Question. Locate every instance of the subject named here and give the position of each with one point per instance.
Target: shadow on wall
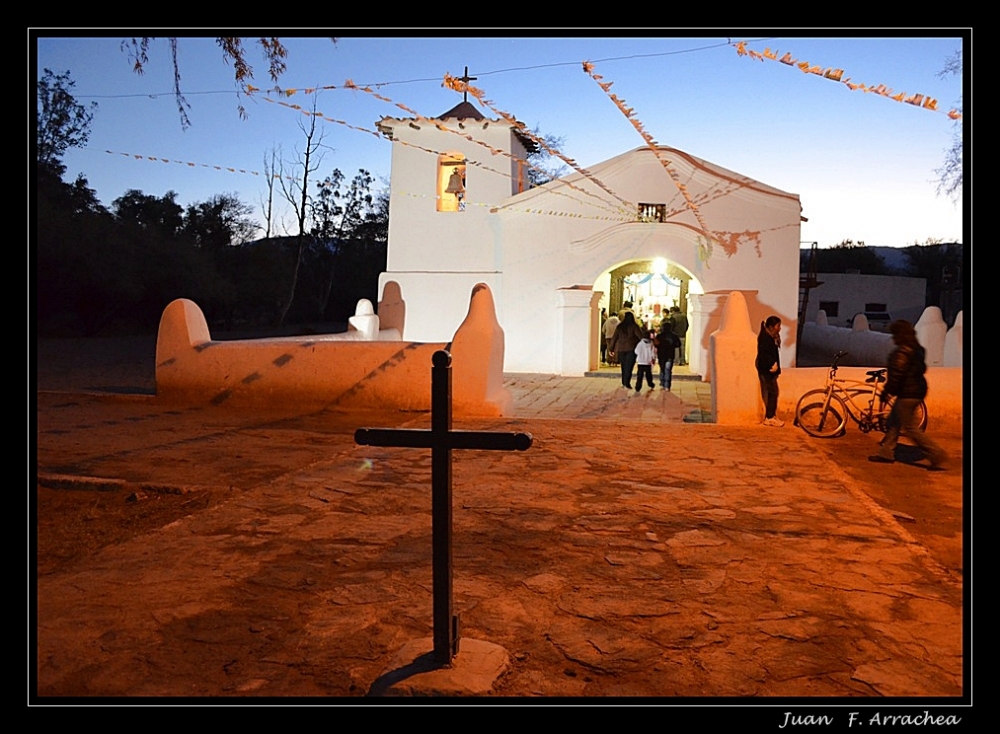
(357, 370)
(392, 308)
(757, 311)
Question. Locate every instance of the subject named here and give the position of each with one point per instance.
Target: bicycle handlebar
(836, 358)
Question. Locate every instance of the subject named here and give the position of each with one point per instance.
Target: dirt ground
(77, 521)
(73, 524)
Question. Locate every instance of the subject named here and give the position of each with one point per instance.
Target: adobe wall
(192, 369)
(734, 378)
(944, 390)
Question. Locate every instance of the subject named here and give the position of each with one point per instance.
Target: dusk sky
(862, 164)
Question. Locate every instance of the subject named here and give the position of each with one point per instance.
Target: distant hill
(894, 258)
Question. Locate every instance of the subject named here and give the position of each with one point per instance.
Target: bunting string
(837, 75)
(190, 164)
(320, 115)
(421, 119)
(530, 210)
(629, 113)
(459, 85)
(626, 212)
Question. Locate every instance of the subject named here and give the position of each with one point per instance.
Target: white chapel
(659, 228)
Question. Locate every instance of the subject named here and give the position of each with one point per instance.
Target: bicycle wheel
(921, 412)
(821, 415)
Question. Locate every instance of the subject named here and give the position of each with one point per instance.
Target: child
(645, 356)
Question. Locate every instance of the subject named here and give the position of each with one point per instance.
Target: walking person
(769, 367)
(609, 331)
(679, 322)
(626, 338)
(645, 357)
(666, 343)
(905, 379)
(603, 342)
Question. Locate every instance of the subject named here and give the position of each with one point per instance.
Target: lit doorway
(652, 286)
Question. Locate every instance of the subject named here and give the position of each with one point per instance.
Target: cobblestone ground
(630, 552)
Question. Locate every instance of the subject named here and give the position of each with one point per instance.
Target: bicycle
(823, 413)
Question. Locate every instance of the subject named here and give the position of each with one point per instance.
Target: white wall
(546, 250)
(420, 237)
(904, 297)
(531, 246)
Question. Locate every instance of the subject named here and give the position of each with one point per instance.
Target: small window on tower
(652, 212)
(451, 183)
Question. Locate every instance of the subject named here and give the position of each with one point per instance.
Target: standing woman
(768, 368)
(626, 337)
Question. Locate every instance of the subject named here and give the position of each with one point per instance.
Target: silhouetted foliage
(950, 174)
(542, 168)
(221, 221)
(85, 268)
(98, 269)
(941, 264)
(149, 214)
(846, 256)
(336, 217)
(62, 122)
(345, 250)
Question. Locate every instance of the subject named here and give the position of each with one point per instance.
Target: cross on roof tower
(466, 79)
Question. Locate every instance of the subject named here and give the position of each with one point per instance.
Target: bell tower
(447, 174)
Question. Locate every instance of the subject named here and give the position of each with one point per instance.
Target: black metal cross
(441, 439)
(466, 78)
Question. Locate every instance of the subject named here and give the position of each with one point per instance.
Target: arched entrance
(652, 285)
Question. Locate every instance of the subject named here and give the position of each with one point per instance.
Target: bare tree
(267, 200)
(294, 184)
(950, 174)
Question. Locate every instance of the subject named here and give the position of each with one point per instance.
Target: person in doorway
(626, 338)
(680, 327)
(609, 331)
(626, 308)
(603, 340)
(769, 367)
(645, 357)
(666, 343)
(905, 380)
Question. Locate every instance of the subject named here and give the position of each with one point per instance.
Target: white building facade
(461, 214)
(842, 295)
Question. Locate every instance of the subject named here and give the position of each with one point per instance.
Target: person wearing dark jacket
(667, 344)
(769, 367)
(905, 380)
(626, 338)
(679, 325)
